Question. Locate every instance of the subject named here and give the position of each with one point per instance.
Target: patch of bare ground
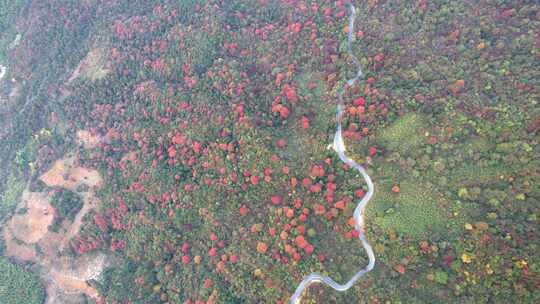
(17, 249)
(92, 66)
(66, 174)
(88, 139)
(72, 274)
(24, 233)
(32, 226)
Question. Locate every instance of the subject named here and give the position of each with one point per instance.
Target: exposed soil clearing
(92, 66)
(17, 249)
(87, 139)
(64, 173)
(64, 276)
(32, 226)
(72, 284)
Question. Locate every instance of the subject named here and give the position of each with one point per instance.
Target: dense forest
(208, 123)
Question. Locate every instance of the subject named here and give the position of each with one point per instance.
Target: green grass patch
(18, 285)
(24, 165)
(411, 212)
(469, 174)
(404, 134)
(14, 188)
(478, 145)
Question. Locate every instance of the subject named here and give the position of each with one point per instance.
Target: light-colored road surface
(339, 146)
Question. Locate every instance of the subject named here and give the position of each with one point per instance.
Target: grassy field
(18, 285)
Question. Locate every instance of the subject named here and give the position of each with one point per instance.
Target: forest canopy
(198, 132)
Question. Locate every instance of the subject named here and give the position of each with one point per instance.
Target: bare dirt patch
(73, 285)
(66, 277)
(64, 173)
(49, 243)
(32, 226)
(17, 250)
(71, 275)
(87, 139)
(92, 66)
